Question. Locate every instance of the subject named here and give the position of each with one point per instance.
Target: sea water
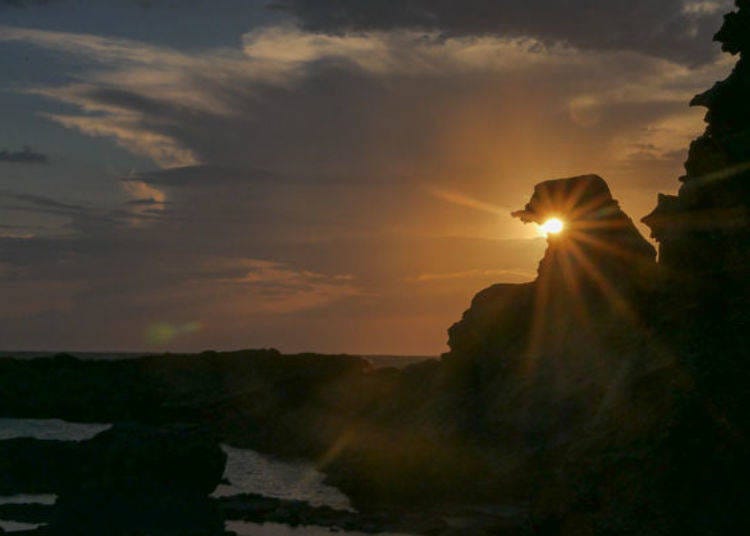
(246, 470)
(250, 472)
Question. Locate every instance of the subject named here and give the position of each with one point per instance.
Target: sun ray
(607, 288)
(538, 320)
(573, 286)
(607, 247)
(463, 200)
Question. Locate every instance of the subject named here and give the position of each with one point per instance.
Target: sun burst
(552, 226)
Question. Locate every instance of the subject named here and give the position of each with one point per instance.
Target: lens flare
(552, 226)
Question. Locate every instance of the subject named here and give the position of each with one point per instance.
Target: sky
(315, 175)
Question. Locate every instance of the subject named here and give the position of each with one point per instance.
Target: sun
(552, 226)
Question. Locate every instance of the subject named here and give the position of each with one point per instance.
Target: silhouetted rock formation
(597, 262)
(704, 235)
(137, 458)
(643, 366)
(32, 466)
(705, 230)
(544, 355)
(138, 479)
(594, 220)
(130, 479)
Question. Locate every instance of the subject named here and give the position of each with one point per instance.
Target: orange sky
(285, 186)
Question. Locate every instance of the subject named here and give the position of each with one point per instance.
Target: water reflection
(28, 499)
(251, 472)
(247, 472)
(49, 429)
(13, 526)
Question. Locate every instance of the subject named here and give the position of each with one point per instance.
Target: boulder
(131, 458)
(141, 479)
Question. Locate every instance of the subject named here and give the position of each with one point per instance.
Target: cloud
(129, 134)
(146, 202)
(495, 275)
(143, 193)
(145, 206)
(340, 192)
(705, 7)
(43, 204)
(23, 3)
(673, 29)
(24, 298)
(14, 231)
(187, 176)
(275, 288)
(291, 101)
(24, 156)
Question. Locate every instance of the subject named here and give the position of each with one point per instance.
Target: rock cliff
(626, 379)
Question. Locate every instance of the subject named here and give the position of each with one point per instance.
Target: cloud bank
(342, 183)
(24, 156)
(674, 29)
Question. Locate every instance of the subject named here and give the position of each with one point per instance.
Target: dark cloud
(196, 175)
(85, 218)
(311, 188)
(24, 156)
(675, 29)
(23, 3)
(43, 202)
(31, 3)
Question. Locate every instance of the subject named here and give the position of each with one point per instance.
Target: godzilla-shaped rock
(596, 263)
(597, 232)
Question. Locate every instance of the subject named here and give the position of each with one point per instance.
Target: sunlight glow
(552, 226)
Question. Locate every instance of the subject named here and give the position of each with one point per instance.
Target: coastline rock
(133, 458)
(27, 512)
(704, 231)
(33, 466)
(443, 522)
(143, 479)
(591, 279)
(599, 245)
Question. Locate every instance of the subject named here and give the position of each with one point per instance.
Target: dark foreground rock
(475, 520)
(32, 466)
(630, 378)
(136, 458)
(130, 479)
(27, 513)
(144, 479)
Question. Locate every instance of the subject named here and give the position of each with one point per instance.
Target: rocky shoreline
(259, 509)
